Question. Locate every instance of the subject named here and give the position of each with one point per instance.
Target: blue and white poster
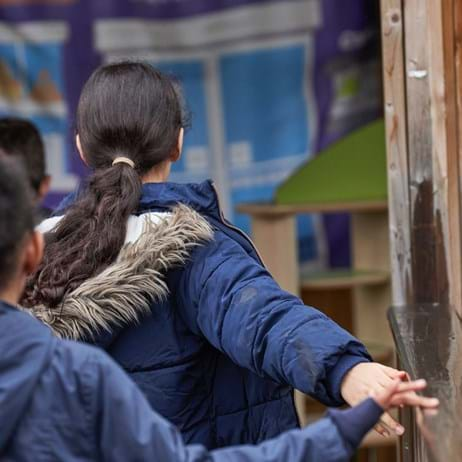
(268, 83)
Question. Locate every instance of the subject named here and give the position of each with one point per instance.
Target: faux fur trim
(124, 292)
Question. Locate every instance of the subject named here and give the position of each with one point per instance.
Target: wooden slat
(433, 156)
(272, 210)
(431, 212)
(371, 251)
(276, 241)
(455, 13)
(425, 231)
(447, 152)
(337, 279)
(396, 141)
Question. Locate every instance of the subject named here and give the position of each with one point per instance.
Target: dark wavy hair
(20, 138)
(126, 109)
(16, 215)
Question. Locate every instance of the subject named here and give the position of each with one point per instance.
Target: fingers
(388, 375)
(381, 430)
(395, 374)
(430, 412)
(386, 392)
(412, 399)
(391, 425)
(405, 395)
(416, 385)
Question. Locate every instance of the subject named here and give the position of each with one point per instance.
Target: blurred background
(269, 84)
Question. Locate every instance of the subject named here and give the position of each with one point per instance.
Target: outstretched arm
(130, 431)
(234, 302)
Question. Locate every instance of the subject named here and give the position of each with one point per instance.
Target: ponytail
(126, 109)
(89, 237)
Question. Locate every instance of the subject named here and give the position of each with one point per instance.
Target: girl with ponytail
(152, 272)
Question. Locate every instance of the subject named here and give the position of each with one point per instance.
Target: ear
(79, 148)
(177, 155)
(44, 187)
(33, 252)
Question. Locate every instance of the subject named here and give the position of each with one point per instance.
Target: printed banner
(268, 83)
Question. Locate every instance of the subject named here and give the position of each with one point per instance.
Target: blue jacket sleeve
(236, 304)
(129, 430)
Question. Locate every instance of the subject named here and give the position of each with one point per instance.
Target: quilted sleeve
(234, 302)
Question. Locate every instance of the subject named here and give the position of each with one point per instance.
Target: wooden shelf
(269, 210)
(343, 279)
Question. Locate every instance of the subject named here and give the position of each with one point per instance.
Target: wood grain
(396, 141)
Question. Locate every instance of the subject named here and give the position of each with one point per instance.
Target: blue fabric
(221, 356)
(64, 401)
(354, 423)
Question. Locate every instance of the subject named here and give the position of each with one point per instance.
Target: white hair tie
(123, 160)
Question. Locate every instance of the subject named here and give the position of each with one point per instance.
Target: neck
(10, 296)
(12, 292)
(158, 174)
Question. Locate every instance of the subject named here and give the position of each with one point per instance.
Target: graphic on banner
(31, 85)
(313, 63)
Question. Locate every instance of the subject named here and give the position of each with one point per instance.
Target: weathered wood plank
(426, 235)
(432, 210)
(396, 140)
(432, 152)
(446, 145)
(453, 17)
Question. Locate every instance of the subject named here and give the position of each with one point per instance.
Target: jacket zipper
(235, 228)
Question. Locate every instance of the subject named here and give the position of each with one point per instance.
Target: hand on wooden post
(390, 389)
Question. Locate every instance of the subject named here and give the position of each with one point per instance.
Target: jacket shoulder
(60, 421)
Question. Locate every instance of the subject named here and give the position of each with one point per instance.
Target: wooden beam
(281, 260)
(396, 140)
(457, 15)
(370, 245)
(268, 210)
(423, 147)
(453, 25)
(426, 234)
(433, 152)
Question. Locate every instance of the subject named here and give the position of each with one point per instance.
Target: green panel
(353, 169)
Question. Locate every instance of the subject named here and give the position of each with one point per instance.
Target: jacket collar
(201, 197)
(125, 291)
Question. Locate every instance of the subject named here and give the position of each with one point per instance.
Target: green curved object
(352, 170)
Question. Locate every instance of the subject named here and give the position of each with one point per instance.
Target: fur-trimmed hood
(124, 292)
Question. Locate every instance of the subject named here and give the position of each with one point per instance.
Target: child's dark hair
(16, 215)
(20, 138)
(126, 109)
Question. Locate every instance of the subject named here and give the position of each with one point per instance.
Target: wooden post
(420, 76)
(396, 140)
(276, 239)
(370, 245)
(423, 110)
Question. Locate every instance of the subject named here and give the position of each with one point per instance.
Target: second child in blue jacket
(152, 272)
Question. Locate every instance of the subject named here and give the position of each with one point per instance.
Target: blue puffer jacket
(63, 401)
(220, 354)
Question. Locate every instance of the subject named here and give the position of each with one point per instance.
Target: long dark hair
(126, 109)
